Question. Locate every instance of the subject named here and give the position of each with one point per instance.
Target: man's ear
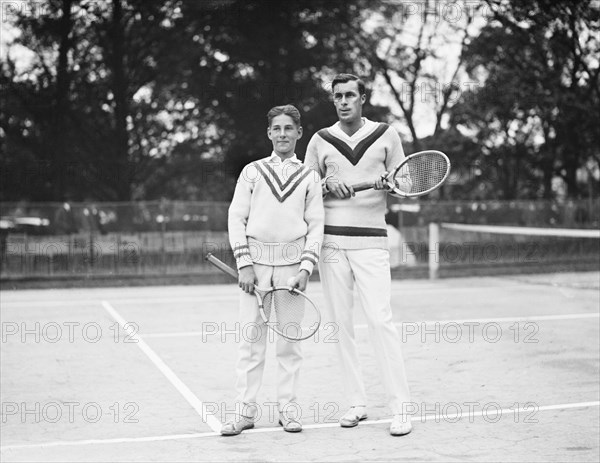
(300, 132)
(363, 99)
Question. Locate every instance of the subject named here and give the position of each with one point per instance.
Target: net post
(434, 256)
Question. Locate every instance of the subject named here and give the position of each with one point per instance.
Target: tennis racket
(288, 312)
(417, 175)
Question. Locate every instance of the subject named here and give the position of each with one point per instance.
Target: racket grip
(221, 265)
(362, 186)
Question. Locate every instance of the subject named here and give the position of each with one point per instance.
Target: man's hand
(300, 281)
(338, 188)
(247, 279)
(382, 183)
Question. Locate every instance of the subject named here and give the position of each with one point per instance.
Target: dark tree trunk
(120, 162)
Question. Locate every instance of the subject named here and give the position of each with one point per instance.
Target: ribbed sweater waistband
(276, 253)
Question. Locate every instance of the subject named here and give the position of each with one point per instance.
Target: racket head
(290, 313)
(420, 173)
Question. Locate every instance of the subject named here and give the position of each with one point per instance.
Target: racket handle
(362, 186)
(221, 265)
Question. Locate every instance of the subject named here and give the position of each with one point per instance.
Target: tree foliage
(161, 98)
(536, 114)
(144, 99)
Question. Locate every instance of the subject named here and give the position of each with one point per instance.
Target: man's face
(284, 134)
(348, 101)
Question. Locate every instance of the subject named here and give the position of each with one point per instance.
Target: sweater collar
(276, 159)
(367, 128)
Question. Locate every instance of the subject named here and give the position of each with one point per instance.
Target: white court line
(234, 295)
(576, 316)
(209, 419)
(131, 300)
(493, 414)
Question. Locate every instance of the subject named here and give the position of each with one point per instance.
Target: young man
(275, 230)
(355, 246)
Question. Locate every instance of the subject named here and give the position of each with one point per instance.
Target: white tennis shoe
(235, 427)
(353, 416)
(400, 426)
(290, 424)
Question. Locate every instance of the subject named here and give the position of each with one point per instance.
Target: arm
(311, 160)
(314, 216)
(330, 183)
(239, 211)
(394, 157)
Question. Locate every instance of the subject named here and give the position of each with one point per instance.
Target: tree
(37, 110)
(537, 113)
(408, 44)
(152, 84)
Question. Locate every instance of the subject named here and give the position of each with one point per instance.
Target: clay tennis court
(500, 369)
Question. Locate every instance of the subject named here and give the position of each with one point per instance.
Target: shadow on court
(500, 369)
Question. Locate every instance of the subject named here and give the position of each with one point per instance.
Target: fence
(143, 253)
(171, 238)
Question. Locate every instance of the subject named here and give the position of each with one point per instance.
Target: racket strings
(422, 173)
(292, 315)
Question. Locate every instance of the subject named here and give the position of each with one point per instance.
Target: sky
(445, 17)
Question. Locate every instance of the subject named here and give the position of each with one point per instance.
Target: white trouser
(253, 348)
(369, 270)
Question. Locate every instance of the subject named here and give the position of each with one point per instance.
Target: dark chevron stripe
(270, 185)
(356, 154)
(274, 175)
(341, 146)
(364, 145)
(354, 231)
(293, 187)
(281, 197)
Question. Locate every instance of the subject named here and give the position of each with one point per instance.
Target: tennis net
(455, 249)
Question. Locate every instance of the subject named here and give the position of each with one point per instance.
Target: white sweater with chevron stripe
(276, 216)
(357, 222)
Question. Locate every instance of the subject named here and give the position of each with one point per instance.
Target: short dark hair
(343, 78)
(288, 110)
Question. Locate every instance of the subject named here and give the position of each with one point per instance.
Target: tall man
(355, 248)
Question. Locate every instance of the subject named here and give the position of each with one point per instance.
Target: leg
(289, 359)
(372, 272)
(253, 346)
(251, 358)
(338, 284)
